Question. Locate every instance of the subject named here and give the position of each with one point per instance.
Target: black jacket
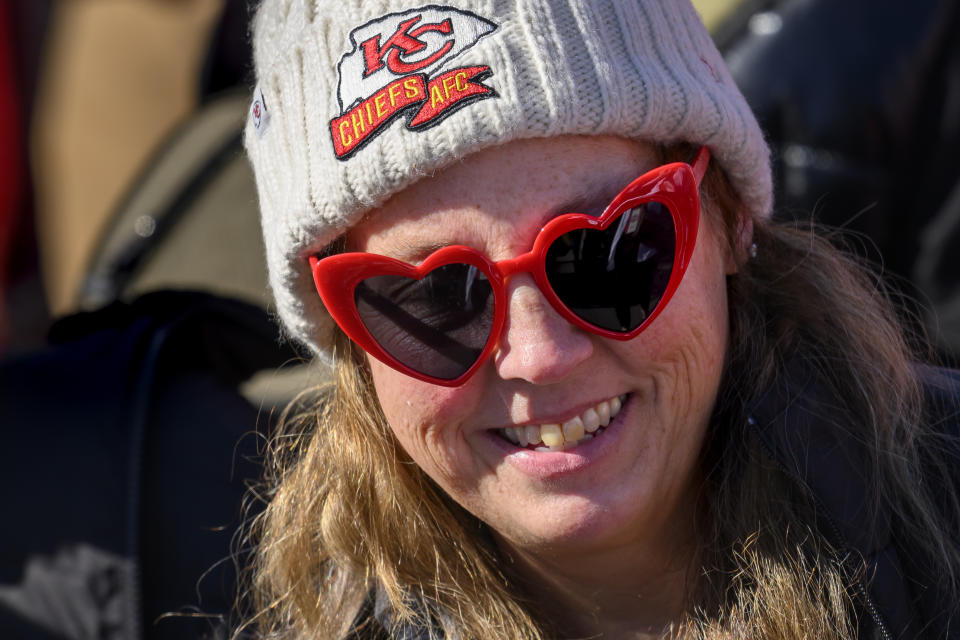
(800, 426)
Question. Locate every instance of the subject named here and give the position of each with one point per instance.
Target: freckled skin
(616, 524)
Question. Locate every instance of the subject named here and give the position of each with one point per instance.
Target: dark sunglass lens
(615, 278)
(438, 325)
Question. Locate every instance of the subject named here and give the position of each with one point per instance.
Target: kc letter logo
(399, 64)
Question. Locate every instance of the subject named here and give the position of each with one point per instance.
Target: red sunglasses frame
(675, 185)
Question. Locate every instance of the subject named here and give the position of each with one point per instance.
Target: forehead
(496, 200)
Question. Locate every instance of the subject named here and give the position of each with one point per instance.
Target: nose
(537, 344)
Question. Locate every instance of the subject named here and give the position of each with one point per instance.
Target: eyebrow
(590, 200)
(416, 253)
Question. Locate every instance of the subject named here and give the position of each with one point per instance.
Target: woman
(584, 387)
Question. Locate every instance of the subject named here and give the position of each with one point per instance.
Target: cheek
(693, 334)
(690, 362)
(684, 349)
(428, 420)
(678, 363)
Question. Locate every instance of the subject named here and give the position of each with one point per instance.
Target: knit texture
(331, 73)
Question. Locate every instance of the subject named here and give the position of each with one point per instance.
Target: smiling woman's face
(634, 483)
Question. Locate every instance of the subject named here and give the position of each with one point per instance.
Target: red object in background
(12, 168)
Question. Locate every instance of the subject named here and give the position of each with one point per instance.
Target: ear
(741, 252)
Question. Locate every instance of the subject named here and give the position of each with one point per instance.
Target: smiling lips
(561, 437)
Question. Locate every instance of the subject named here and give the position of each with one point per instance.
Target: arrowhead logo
(398, 65)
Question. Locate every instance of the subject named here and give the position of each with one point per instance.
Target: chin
(571, 523)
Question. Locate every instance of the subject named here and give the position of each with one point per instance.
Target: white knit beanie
(357, 99)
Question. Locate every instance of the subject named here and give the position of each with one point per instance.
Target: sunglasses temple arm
(699, 164)
(424, 333)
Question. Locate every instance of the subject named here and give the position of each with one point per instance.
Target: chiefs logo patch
(400, 64)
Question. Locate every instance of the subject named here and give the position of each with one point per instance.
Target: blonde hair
(349, 513)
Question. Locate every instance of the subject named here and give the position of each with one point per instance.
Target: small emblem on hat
(398, 65)
(258, 112)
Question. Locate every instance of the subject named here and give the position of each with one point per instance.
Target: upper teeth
(557, 437)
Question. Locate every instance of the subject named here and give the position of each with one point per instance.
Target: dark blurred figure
(861, 100)
(131, 446)
(132, 432)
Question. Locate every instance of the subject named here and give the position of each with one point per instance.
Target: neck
(633, 590)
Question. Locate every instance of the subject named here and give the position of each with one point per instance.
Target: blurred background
(93, 91)
(137, 350)
(860, 101)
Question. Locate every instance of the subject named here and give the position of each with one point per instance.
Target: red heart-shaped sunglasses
(610, 275)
